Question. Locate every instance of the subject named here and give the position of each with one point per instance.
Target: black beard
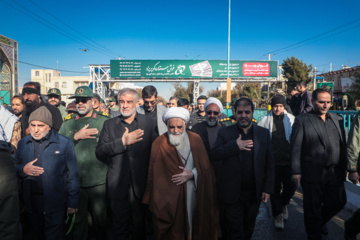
(31, 106)
(18, 114)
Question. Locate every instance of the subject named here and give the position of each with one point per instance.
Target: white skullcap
(213, 100)
(176, 112)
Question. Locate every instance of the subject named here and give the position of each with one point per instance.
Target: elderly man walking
(83, 129)
(181, 189)
(47, 163)
(125, 145)
(279, 123)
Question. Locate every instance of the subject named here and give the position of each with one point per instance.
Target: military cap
(102, 100)
(112, 99)
(83, 91)
(54, 91)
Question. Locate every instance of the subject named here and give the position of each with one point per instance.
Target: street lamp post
(228, 80)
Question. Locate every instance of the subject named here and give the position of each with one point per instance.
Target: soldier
(113, 106)
(54, 98)
(84, 129)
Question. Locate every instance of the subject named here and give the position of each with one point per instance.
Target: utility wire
(315, 40)
(73, 37)
(108, 50)
(48, 25)
(292, 46)
(46, 67)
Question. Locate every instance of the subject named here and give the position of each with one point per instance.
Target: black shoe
(324, 230)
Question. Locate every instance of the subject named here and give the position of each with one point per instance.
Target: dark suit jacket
(304, 104)
(129, 163)
(227, 151)
(61, 184)
(308, 147)
(201, 129)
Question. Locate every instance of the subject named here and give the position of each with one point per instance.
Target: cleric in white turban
(181, 190)
(176, 112)
(212, 100)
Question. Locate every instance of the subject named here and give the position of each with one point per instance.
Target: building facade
(342, 80)
(52, 79)
(9, 72)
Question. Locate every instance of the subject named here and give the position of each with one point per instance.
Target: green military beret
(112, 99)
(54, 91)
(83, 91)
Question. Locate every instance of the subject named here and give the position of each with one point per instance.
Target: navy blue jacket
(61, 175)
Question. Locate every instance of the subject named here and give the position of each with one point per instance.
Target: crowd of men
(139, 167)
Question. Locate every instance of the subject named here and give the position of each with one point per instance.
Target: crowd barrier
(260, 113)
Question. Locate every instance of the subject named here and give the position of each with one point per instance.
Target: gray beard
(86, 111)
(128, 114)
(176, 140)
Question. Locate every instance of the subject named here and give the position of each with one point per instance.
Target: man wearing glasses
(152, 109)
(84, 129)
(209, 128)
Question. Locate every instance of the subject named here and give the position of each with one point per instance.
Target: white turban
(213, 100)
(176, 112)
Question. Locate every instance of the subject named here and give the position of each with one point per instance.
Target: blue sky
(142, 29)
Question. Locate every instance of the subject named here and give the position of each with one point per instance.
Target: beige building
(53, 79)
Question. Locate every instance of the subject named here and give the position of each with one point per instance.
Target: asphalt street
(294, 226)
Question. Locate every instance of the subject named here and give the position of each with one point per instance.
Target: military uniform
(57, 92)
(92, 172)
(231, 120)
(116, 107)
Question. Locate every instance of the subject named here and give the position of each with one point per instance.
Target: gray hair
(125, 91)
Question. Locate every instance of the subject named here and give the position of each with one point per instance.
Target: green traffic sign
(192, 69)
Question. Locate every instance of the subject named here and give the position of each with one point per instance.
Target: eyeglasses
(82, 100)
(148, 102)
(212, 112)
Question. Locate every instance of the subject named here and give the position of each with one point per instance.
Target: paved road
(294, 226)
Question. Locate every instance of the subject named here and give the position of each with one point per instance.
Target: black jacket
(227, 151)
(61, 175)
(303, 104)
(9, 197)
(129, 163)
(308, 147)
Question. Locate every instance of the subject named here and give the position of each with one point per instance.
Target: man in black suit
(246, 176)
(125, 145)
(318, 151)
(304, 103)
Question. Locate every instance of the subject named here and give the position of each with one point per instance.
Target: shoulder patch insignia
(105, 114)
(77, 117)
(94, 115)
(68, 117)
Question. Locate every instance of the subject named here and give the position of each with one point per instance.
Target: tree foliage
(295, 71)
(185, 92)
(250, 90)
(355, 87)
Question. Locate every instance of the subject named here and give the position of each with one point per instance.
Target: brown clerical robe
(167, 201)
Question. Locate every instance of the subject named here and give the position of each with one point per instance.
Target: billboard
(189, 69)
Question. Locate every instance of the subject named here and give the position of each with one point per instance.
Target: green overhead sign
(192, 69)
